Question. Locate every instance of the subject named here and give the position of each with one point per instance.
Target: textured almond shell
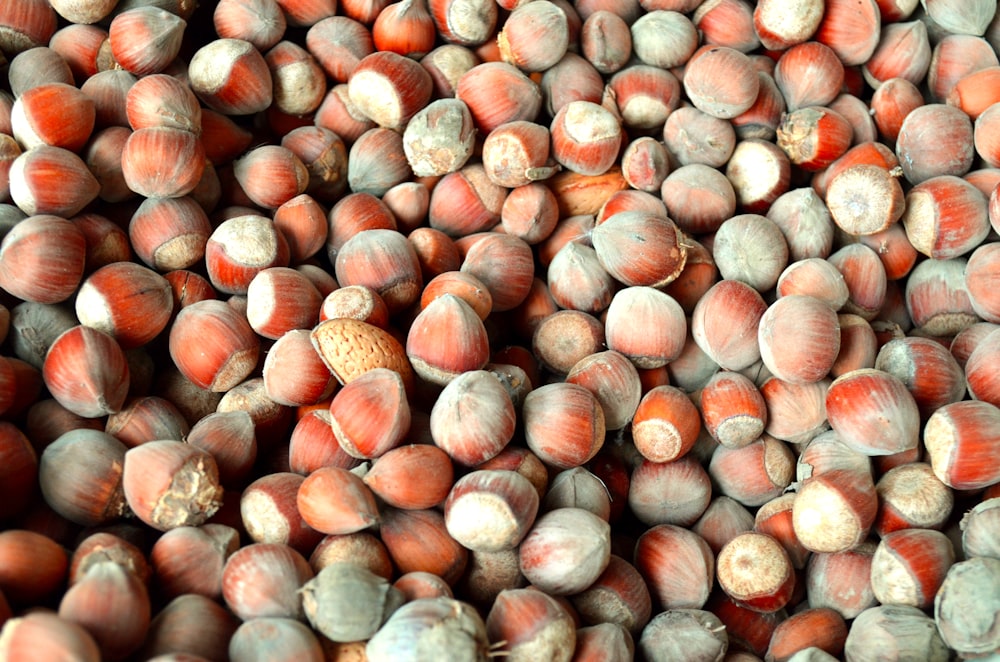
(350, 348)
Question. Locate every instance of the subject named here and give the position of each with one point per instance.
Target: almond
(350, 348)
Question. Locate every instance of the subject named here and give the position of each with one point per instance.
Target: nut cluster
(536, 329)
